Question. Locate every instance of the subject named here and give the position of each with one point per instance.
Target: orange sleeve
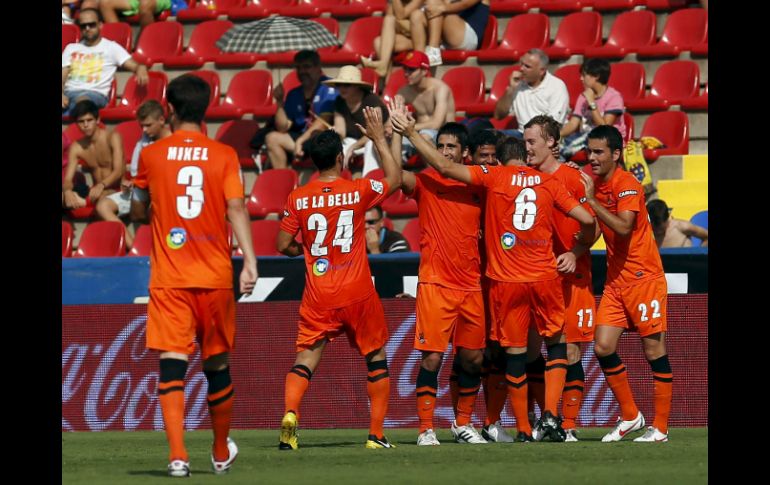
(290, 221)
(562, 200)
(481, 175)
(629, 194)
(373, 192)
(233, 183)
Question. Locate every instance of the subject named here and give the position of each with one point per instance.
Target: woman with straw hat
(355, 94)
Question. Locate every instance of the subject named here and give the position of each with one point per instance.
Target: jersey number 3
(189, 206)
(343, 237)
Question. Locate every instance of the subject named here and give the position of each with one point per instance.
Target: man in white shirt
(533, 91)
(88, 67)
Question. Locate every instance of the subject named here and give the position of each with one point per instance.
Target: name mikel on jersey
(184, 154)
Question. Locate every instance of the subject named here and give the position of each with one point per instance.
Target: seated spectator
(88, 67)
(598, 105)
(153, 121)
(308, 108)
(147, 9)
(460, 24)
(380, 239)
(670, 232)
(533, 91)
(355, 94)
(401, 19)
(102, 152)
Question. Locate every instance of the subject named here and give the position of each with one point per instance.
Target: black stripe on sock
(576, 387)
(614, 373)
(163, 392)
(378, 377)
(222, 399)
(663, 379)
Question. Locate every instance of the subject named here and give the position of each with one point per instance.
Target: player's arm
(570, 127)
(239, 218)
(621, 224)
(286, 244)
(690, 229)
(438, 117)
(72, 166)
(375, 130)
(118, 161)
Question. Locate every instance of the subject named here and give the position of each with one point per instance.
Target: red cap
(413, 59)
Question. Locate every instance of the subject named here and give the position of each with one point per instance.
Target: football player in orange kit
(635, 293)
(518, 240)
(339, 295)
(193, 184)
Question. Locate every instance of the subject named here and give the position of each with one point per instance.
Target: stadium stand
(630, 31)
(268, 196)
(102, 239)
(523, 32)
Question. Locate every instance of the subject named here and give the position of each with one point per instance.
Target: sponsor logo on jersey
(484, 168)
(508, 240)
(320, 267)
(176, 238)
(377, 186)
(626, 193)
(285, 213)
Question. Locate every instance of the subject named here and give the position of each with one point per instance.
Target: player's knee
(431, 361)
(602, 348)
(573, 353)
(172, 370)
(217, 362)
(472, 360)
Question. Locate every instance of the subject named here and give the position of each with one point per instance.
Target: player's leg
(426, 390)
(535, 373)
(297, 382)
(220, 400)
(378, 389)
(495, 394)
(572, 396)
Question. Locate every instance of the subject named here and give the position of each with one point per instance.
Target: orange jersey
(565, 227)
(190, 178)
(331, 218)
(633, 258)
(518, 221)
(449, 216)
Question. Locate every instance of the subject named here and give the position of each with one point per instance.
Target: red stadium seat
(202, 48)
(237, 134)
(512, 6)
(399, 205)
(102, 239)
(264, 233)
(613, 5)
(411, 233)
(396, 81)
(507, 123)
(270, 190)
(570, 74)
(499, 85)
(250, 92)
(207, 10)
(629, 79)
(130, 132)
(66, 239)
(287, 58)
(670, 127)
(159, 41)
(523, 32)
(161, 17)
(258, 9)
(212, 79)
(666, 5)
(673, 82)
(359, 41)
(684, 30)
(142, 241)
(629, 121)
(631, 31)
(564, 5)
(69, 33)
(119, 32)
(699, 102)
(467, 85)
(134, 95)
(489, 41)
(577, 31)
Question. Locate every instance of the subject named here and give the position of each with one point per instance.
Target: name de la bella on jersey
(331, 200)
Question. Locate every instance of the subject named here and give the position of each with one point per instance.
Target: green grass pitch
(338, 456)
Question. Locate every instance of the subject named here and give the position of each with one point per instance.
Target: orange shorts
(514, 305)
(363, 322)
(579, 311)
(444, 313)
(177, 317)
(640, 307)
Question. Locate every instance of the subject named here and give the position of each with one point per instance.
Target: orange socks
(555, 373)
(663, 382)
(426, 387)
(516, 377)
(220, 400)
(536, 383)
(378, 388)
(572, 396)
(468, 386)
(617, 379)
(171, 397)
(297, 381)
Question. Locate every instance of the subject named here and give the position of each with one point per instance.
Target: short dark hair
(511, 148)
(482, 137)
(658, 211)
(378, 209)
(189, 95)
(95, 11)
(151, 107)
(83, 108)
(324, 148)
(307, 55)
(599, 68)
(611, 135)
(457, 130)
(549, 127)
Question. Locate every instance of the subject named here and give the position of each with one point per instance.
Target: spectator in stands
(380, 239)
(598, 105)
(533, 91)
(402, 18)
(460, 24)
(88, 67)
(308, 107)
(355, 94)
(429, 98)
(147, 9)
(483, 147)
(152, 119)
(670, 232)
(102, 152)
